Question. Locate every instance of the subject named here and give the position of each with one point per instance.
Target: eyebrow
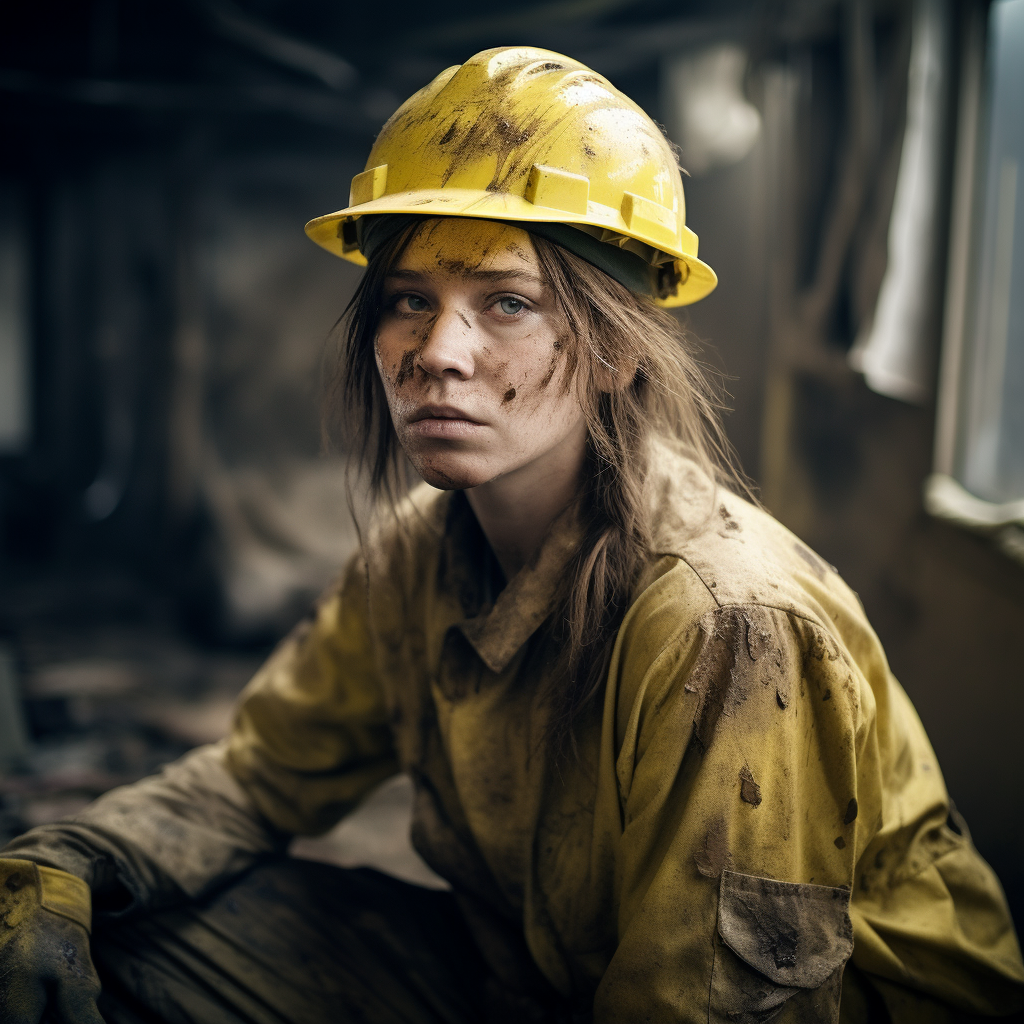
(478, 275)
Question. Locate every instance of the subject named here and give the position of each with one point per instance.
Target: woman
(657, 750)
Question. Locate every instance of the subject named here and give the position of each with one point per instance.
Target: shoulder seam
(692, 568)
(812, 620)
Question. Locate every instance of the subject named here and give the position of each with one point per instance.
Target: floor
(93, 701)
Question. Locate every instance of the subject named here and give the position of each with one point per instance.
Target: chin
(450, 474)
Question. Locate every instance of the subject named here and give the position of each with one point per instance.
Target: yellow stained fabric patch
(26, 886)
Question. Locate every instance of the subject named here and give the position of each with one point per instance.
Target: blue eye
(510, 306)
(416, 303)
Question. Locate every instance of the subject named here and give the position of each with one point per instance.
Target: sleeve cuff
(56, 891)
(65, 894)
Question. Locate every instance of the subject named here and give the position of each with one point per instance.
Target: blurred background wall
(165, 507)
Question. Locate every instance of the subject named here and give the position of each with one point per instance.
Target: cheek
(537, 377)
(395, 350)
(406, 367)
(387, 367)
(534, 395)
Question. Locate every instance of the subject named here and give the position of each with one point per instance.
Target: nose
(449, 345)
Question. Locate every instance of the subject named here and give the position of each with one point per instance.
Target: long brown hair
(637, 375)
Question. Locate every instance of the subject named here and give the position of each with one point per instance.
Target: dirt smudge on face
(557, 348)
(462, 316)
(509, 395)
(550, 372)
(457, 267)
(407, 368)
(750, 791)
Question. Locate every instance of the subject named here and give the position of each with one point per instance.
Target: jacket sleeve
(765, 777)
(310, 739)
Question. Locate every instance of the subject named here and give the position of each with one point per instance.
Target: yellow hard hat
(526, 135)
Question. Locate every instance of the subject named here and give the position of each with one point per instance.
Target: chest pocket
(780, 946)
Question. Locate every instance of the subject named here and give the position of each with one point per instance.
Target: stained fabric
(749, 728)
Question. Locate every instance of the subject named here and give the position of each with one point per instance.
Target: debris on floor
(85, 707)
(87, 710)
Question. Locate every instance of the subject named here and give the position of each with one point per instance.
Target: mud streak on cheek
(407, 368)
(552, 366)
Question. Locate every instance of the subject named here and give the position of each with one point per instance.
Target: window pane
(992, 464)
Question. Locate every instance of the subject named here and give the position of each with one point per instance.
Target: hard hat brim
(697, 279)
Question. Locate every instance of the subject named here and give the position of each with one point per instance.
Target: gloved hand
(45, 969)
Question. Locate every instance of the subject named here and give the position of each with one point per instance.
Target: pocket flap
(794, 934)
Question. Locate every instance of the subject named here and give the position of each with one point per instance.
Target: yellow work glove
(45, 967)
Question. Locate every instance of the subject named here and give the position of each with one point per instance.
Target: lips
(441, 412)
(443, 423)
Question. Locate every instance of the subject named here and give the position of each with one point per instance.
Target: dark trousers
(295, 942)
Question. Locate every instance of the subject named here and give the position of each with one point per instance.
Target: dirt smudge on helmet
(507, 139)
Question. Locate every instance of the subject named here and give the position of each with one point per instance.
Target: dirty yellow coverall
(754, 805)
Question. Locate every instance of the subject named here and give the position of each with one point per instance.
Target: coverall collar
(498, 630)
(680, 497)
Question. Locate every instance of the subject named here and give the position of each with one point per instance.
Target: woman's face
(471, 353)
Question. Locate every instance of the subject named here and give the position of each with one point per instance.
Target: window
(979, 465)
